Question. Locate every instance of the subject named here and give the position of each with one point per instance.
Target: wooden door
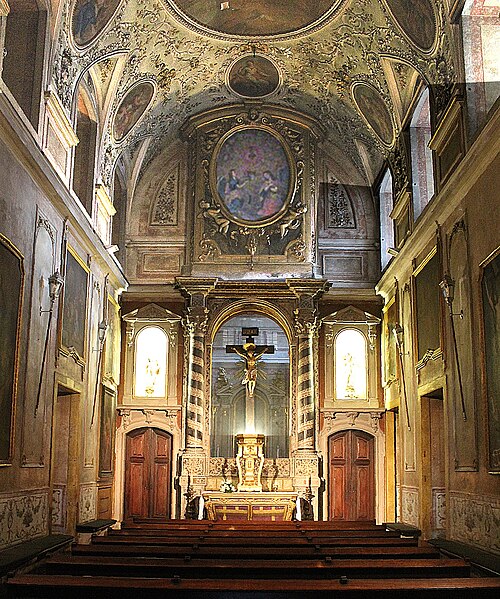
(352, 476)
(148, 474)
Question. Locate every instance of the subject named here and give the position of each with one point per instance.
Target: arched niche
(230, 413)
(352, 352)
(151, 357)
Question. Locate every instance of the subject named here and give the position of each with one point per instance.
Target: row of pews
(230, 560)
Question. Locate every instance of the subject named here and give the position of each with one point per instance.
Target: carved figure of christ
(251, 353)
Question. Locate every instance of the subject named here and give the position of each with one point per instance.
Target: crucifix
(251, 353)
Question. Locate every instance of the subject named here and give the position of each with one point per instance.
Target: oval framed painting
(417, 20)
(131, 108)
(252, 176)
(253, 77)
(373, 109)
(90, 17)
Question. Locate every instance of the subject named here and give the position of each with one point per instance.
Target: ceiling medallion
(253, 76)
(259, 18)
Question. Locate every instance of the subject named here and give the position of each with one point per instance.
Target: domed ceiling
(351, 64)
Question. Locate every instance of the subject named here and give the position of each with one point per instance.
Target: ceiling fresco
(312, 70)
(256, 18)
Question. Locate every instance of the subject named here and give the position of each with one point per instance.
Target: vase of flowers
(227, 486)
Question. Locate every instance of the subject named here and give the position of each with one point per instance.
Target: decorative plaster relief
(306, 466)
(339, 211)
(23, 517)
(438, 508)
(475, 520)
(165, 206)
(59, 506)
(88, 503)
(409, 505)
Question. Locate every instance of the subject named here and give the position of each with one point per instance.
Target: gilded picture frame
(12, 279)
(490, 328)
(252, 176)
(73, 308)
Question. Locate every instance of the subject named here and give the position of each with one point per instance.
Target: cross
(251, 353)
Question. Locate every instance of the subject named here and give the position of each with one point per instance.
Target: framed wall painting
(107, 432)
(11, 297)
(490, 291)
(251, 176)
(74, 309)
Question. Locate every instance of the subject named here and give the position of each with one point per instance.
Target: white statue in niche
(350, 391)
(152, 372)
(350, 365)
(150, 362)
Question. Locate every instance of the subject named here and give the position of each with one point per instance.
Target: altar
(268, 506)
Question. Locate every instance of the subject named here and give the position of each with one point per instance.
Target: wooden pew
(165, 550)
(258, 569)
(80, 587)
(272, 553)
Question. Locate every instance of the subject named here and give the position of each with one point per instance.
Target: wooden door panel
(364, 495)
(137, 493)
(362, 449)
(137, 445)
(352, 475)
(339, 449)
(339, 492)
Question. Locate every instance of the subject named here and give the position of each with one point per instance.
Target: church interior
(255, 251)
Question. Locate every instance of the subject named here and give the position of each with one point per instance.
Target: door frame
(73, 465)
(428, 502)
(149, 461)
(350, 462)
(367, 422)
(131, 419)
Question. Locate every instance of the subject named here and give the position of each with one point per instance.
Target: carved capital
(306, 322)
(196, 321)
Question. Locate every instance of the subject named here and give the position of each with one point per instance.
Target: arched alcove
(230, 412)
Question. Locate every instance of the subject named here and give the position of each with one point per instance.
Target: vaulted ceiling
(354, 65)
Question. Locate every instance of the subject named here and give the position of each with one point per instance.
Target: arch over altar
(288, 320)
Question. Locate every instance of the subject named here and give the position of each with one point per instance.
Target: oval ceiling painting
(131, 108)
(372, 106)
(253, 77)
(90, 17)
(258, 17)
(251, 174)
(417, 19)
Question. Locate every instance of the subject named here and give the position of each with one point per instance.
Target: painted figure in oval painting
(90, 17)
(132, 108)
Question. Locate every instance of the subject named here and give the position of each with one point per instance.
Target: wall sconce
(448, 289)
(398, 333)
(56, 282)
(55, 285)
(102, 331)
